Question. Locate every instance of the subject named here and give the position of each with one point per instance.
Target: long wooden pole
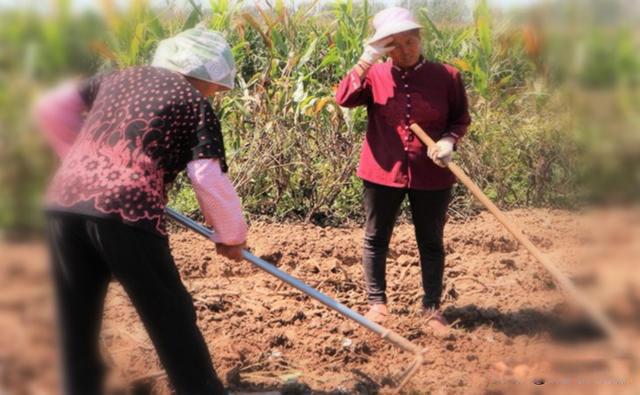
(565, 284)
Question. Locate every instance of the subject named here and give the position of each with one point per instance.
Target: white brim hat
(199, 53)
(392, 21)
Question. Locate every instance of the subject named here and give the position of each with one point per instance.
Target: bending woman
(143, 125)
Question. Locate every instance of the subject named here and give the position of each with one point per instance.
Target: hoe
(385, 333)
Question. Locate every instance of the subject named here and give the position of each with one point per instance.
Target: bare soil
(513, 330)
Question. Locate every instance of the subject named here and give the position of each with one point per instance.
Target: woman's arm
(59, 114)
(354, 89)
(459, 118)
(457, 123)
(218, 201)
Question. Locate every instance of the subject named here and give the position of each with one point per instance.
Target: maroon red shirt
(429, 94)
(143, 126)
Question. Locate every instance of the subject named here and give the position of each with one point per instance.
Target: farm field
(512, 326)
(554, 95)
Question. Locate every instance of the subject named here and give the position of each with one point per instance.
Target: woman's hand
(233, 252)
(376, 50)
(441, 153)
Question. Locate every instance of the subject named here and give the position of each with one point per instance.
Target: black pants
(86, 253)
(429, 213)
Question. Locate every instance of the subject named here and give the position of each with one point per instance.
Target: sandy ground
(514, 331)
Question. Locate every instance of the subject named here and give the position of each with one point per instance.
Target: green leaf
(307, 55)
(423, 12)
(192, 19)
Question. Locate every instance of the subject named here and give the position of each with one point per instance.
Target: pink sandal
(377, 313)
(435, 320)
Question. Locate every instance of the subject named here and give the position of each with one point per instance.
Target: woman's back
(144, 124)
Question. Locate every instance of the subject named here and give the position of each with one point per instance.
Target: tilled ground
(514, 332)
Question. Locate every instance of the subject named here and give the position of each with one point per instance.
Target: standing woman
(394, 163)
(143, 125)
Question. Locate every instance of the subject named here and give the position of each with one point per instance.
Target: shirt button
(409, 105)
(406, 149)
(408, 95)
(407, 115)
(406, 85)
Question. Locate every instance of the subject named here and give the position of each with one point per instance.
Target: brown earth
(513, 329)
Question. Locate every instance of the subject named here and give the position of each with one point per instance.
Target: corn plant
(293, 151)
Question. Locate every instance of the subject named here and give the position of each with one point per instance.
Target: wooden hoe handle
(565, 284)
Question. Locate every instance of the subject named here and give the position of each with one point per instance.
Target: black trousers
(86, 253)
(429, 213)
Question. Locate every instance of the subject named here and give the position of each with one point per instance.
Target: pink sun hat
(392, 20)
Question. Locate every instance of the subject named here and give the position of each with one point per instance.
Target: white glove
(441, 153)
(376, 50)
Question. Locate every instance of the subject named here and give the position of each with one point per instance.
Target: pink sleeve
(59, 114)
(218, 201)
